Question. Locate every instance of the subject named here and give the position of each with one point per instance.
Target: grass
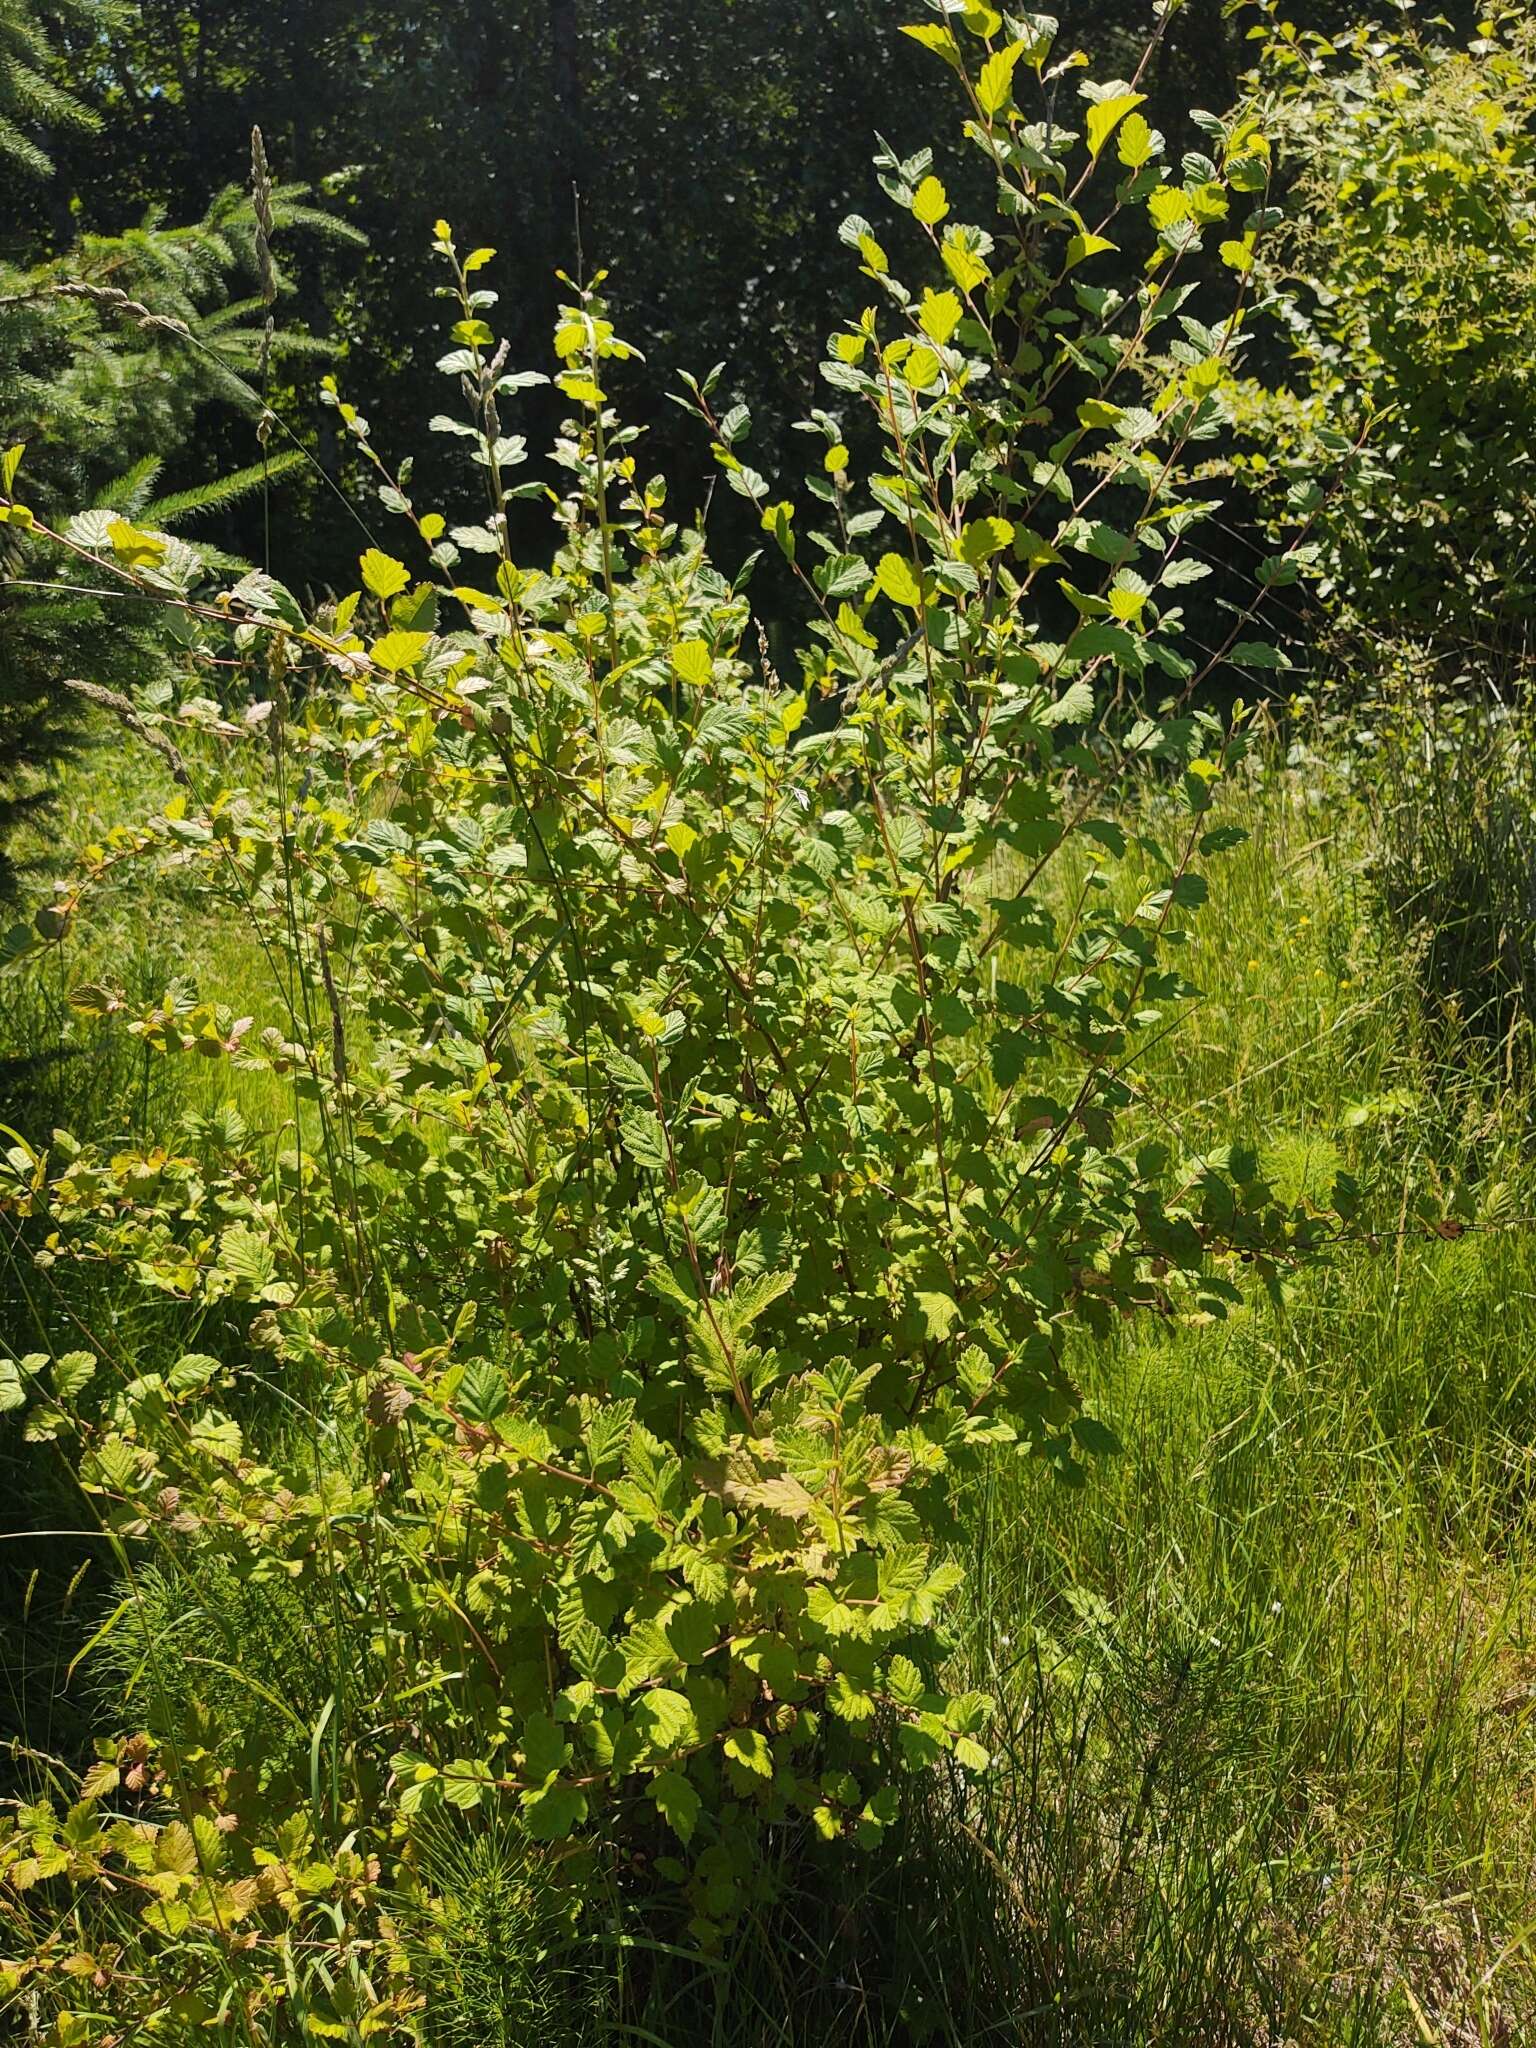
(1265, 1770)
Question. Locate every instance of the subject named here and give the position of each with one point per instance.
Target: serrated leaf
(1073, 707)
(749, 1748)
(939, 315)
(1081, 247)
(937, 1313)
(382, 574)
(133, 546)
(930, 202)
(175, 1849)
(897, 580)
(246, 1256)
(396, 651)
(933, 38)
(691, 659)
(982, 538)
(72, 1372)
(994, 88)
(963, 263)
(676, 1801)
(1136, 144)
(664, 1720)
(644, 1139)
(1104, 116)
(553, 1813)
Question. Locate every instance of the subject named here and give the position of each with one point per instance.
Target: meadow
(1265, 1682)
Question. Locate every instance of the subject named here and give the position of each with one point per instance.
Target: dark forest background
(703, 151)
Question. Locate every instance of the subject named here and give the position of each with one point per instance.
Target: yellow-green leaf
(994, 88)
(399, 650)
(984, 537)
(1134, 147)
(939, 316)
(930, 202)
(933, 38)
(691, 660)
(1099, 412)
(382, 574)
(1238, 255)
(896, 578)
(477, 259)
(175, 1849)
(749, 1748)
(921, 369)
(1081, 247)
(963, 264)
(1106, 115)
(132, 546)
(10, 462)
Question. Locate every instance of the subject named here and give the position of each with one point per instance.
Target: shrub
(708, 1129)
(1405, 422)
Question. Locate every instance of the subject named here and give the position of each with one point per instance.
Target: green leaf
(246, 1256)
(904, 1681)
(466, 1783)
(72, 1372)
(1256, 654)
(963, 262)
(644, 1140)
(382, 574)
(545, 1749)
(664, 1720)
(1104, 116)
(749, 1748)
(1073, 707)
(10, 462)
(552, 1814)
(676, 1801)
(937, 1313)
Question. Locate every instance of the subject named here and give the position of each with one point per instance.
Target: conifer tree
(111, 347)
